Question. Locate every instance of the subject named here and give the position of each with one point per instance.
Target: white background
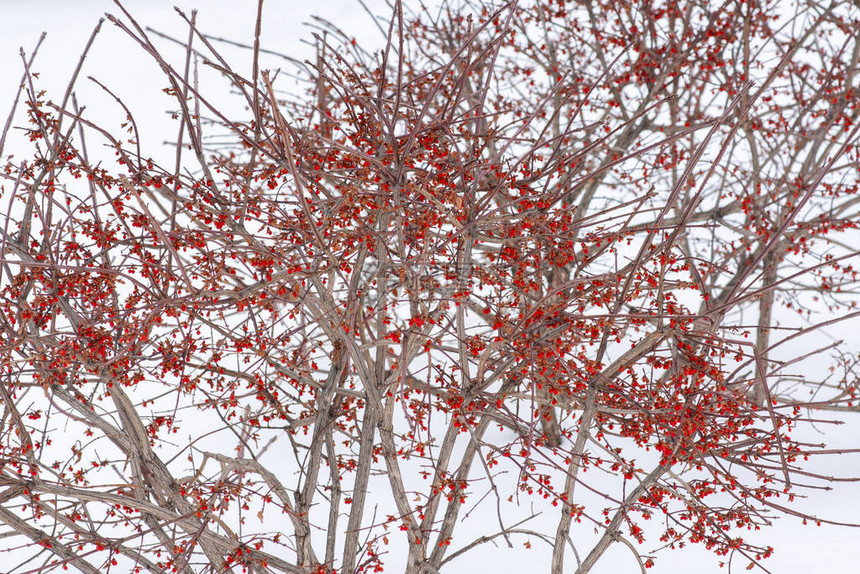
(122, 65)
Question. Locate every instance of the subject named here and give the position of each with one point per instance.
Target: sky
(139, 82)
